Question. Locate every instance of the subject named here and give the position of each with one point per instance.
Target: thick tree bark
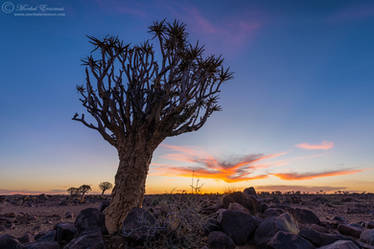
(129, 186)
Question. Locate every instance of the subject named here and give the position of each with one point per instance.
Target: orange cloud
(308, 176)
(325, 145)
(233, 170)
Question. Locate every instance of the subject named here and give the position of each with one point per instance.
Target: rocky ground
(240, 220)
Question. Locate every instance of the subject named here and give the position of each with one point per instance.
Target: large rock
(368, 236)
(46, 236)
(238, 225)
(42, 245)
(9, 242)
(139, 225)
(250, 191)
(319, 238)
(211, 226)
(271, 225)
(219, 240)
(87, 240)
(305, 216)
(103, 205)
(249, 202)
(89, 220)
(27, 237)
(273, 212)
(234, 206)
(65, 232)
(341, 244)
(284, 240)
(350, 230)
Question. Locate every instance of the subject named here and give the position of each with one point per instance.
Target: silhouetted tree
(83, 189)
(73, 191)
(138, 97)
(104, 186)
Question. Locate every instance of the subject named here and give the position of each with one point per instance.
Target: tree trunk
(129, 185)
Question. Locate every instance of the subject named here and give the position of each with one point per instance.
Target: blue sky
(303, 74)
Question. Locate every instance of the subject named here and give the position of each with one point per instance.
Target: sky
(298, 114)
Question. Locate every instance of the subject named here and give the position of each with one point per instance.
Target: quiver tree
(73, 191)
(104, 186)
(137, 97)
(83, 189)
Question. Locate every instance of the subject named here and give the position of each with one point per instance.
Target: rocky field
(234, 220)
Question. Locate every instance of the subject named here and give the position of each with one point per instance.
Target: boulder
(284, 240)
(139, 225)
(68, 215)
(238, 225)
(27, 237)
(271, 225)
(319, 238)
(341, 244)
(305, 216)
(250, 191)
(65, 232)
(219, 240)
(46, 236)
(9, 242)
(90, 219)
(273, 212)
(234, 206)
(367, 236)
(370, 225)
(87, 240)
(211, 225)
(103, 205)
(249, 202)
(350, 230)
(42, 245)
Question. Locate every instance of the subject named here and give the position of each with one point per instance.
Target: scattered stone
(341, 244)
(65, 232)
(139, 225)
(27, 237)
(87, 240)
(350, 230)
(219, 240)
(68, 215)
(318, 238)
(9, 242)
(339, 219)
(305, 216)
(46, 236)
(271, 225)
(42, 245)
(273, 212)
(367, 236)
(284, 240)
(370, 225)
(238, 225)
(90, 219)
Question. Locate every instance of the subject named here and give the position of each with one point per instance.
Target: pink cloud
(325, 145)
(352, 13)
(309, 176)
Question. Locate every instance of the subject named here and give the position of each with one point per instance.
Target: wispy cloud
(285, 188)
(325, 145)
(233, 169)
(313, 175)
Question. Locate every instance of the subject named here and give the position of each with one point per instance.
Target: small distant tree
(83, 190)
(195, 185)
(73, 191)
(104, 186)
(137, 97)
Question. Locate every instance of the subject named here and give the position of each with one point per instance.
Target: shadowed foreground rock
(89, 220)
(238, 225)
(219, 240)
(87, 240)
(283, 240)
(341, 244)
(9, 242)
